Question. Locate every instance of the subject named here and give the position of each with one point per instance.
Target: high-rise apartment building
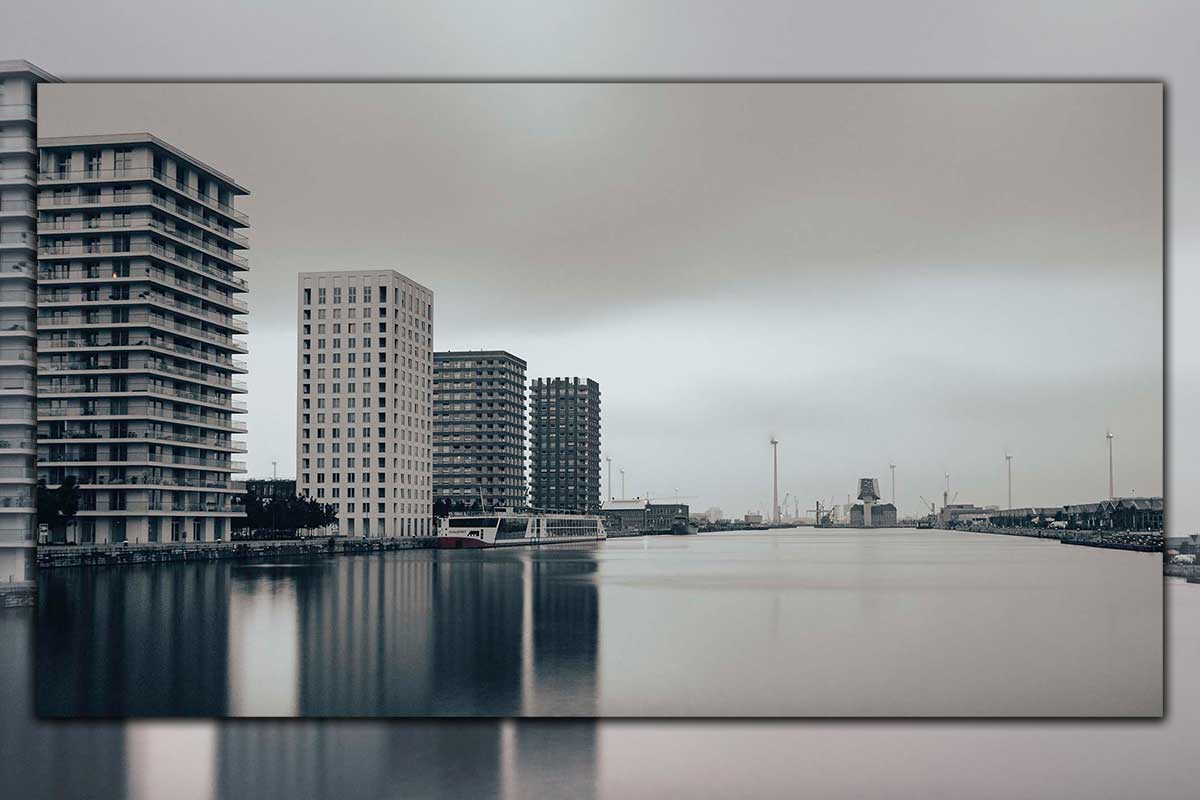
(565, 451)
(364, 415)
(138, 280)
(18, 317)
(479, 427)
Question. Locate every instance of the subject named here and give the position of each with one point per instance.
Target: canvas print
(588, 399)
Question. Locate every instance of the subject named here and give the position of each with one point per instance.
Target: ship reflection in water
(808, 622)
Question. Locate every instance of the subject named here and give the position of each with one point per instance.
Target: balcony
(217, 360)
(13, 208)
(142, 248)
(76, 459)
(18, 176)
(48, 367)
(51, 276)
(141, 173)
(18, 445)
(17, 297)
(24, 357)
(155, 436)
(18, 145)
(134, 225)
(136, 413)
(156, 482)
(10, 386)
(131, 199)
(18, 474)
(10, 112)
(81, 392)
(90, 504)
(18, 240)
(141, 318)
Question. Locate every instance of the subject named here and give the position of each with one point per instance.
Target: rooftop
(20, 66)
(140, 138)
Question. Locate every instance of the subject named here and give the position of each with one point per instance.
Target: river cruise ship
(511, 528)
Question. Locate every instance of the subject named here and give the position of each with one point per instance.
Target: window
(123, 160)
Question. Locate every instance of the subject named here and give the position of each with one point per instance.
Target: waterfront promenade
(90, 555)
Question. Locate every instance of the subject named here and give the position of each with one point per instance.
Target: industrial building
(139, 254)
(565, 444)
(364, 416)
(870, 513)
(479, 428)
(883, 515)
(640, 514)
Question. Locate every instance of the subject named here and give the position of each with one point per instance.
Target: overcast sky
(912, 272)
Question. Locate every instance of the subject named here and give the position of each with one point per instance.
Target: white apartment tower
(18, 317)
(364, 400)
(138, 283)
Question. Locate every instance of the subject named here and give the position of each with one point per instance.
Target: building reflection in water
(425, 633)
(134, 641)
(59, 759)
(434, 633)
(260, 759)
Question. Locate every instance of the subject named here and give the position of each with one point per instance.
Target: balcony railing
(145, 365)
(18, 472)
(90, 503)
(17, 444)
(168, 437)
(168, 392)
(17, 296)
(59, 250)
(18, 326)
(108, 481)
(11, 111)
(19, 238)
(9, 206)
(137, 413)
(138, 318)
(102, 226)
(158, 343)
(17, 144)
(49, 201)
(56, 295)
(148, 458)
(144, 173)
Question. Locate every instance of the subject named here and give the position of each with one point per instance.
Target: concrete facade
(138, 280)
(480, 422)
(565, 448)
(18, 318)
(364, 416)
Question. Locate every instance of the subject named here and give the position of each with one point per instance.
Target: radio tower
(775, 480)
(1109, 435)
(1008, 458)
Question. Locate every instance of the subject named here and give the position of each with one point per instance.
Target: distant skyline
(924, 274)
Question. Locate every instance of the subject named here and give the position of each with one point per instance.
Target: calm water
(808, 622)
(609, 759)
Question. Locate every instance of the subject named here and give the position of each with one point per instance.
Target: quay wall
(18, 595)
(57, 556)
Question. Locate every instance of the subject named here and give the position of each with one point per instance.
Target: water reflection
(620, 759)
(134, 641)
(49, 759)
(810, 623)
(400, 634)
